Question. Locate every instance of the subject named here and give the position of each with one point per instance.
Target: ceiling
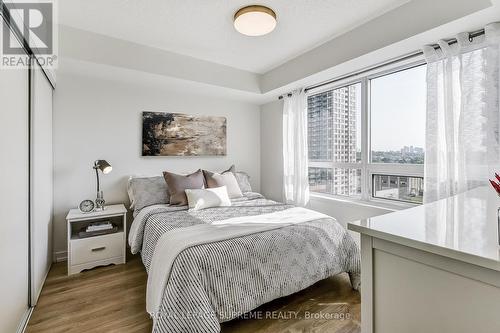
(203, 28)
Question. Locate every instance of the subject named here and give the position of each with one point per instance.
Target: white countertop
(463, 227)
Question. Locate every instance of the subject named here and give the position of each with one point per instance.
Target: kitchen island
(432, 268)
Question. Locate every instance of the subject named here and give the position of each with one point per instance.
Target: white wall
(99, 119)
(272, 171)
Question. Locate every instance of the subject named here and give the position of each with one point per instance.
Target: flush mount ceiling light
(255, 20)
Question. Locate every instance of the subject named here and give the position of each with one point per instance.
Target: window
(397, 106)
(334, 140)
(337, 181)
(366, 137)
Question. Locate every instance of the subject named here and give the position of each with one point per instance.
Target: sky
(398, 103)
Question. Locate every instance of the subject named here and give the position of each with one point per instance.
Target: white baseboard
(60, 256)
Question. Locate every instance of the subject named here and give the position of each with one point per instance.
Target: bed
(213, 265)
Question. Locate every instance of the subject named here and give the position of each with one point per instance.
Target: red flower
(495, 185)
(497, 176)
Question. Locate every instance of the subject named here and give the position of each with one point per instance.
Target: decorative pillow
(226, 179)
(146, 191)
(232, 169)
(206, 198)
(177, 184)
(243, 180)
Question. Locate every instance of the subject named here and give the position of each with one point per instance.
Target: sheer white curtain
(295, 154)
(462, 114)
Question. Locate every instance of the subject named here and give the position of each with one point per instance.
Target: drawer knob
(98, 249)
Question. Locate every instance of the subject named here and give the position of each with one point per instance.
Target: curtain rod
(407, 56)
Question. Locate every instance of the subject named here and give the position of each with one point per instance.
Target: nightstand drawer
(96, 248)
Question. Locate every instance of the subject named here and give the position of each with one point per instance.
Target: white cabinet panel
(413, 297)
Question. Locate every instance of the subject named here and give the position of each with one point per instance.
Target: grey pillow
(177, 184)
(147, 191)
(232, 169)
(242, 178)
(227, 179)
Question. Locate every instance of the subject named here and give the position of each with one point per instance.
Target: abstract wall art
(176, 134)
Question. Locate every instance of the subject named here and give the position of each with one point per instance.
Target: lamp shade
(104, 166)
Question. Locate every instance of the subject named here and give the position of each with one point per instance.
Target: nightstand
(89, 252)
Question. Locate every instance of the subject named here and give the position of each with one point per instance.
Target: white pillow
(206, 198)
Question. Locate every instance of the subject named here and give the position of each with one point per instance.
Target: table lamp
(105, 168)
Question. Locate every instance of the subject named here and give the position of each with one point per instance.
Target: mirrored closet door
(25, 188)
(14, 198)
(41, 167)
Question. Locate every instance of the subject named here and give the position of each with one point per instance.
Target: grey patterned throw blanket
(218, 281)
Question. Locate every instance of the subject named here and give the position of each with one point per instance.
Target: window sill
(374, 203)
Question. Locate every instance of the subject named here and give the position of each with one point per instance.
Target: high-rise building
(332, 138)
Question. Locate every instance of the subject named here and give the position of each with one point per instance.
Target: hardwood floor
(112, 299)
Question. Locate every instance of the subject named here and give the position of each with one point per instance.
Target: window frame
(368, 168)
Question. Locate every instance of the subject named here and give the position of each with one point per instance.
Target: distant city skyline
(407, 149)
(404, 155)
